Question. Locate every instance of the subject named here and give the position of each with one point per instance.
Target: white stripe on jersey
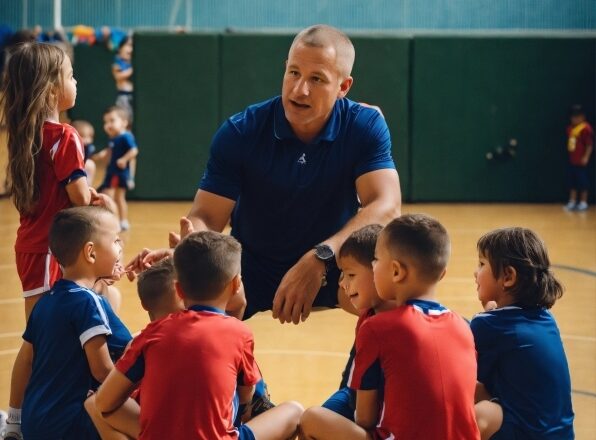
(102, 312)
(92, 332)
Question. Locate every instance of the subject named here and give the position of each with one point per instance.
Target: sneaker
(581, 206)
(261, 404)
(3, 417)
(570, 206)
(124, 225)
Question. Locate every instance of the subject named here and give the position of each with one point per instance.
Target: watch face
(324, 252)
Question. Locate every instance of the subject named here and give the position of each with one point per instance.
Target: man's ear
(89, 252)
(400, 271)
(509, 276)
(345, 86)
(179, 290)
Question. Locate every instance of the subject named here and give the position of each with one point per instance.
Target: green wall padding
(96, 89)
(176, 111)
(472, 95)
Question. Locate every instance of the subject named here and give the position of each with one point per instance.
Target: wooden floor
(304, 362)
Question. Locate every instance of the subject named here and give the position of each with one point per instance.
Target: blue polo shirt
(521, 362)
(61, 323)
(120, 145)
(290, 195)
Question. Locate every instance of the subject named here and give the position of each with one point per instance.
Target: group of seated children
(417, 369)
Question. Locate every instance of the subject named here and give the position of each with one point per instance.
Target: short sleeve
(488, 346)
(223, 175)
(69, 157)
(130, 140)
(587, 136)
(248, 372)
(90, 319)
(375, 142)
(366, 370)
(132, 362)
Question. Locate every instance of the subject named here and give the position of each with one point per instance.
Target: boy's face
(487, 284)
(107, 245)
(577, 119)
(125, 52)
(383, 270)
(86, 134)
(358, 283)
(114, 124)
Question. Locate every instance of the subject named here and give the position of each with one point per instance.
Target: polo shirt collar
(199, 308)
(283, 130)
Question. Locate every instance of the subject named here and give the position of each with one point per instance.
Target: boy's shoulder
(510, 315)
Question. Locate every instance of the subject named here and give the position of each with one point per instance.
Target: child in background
(122, 73)
(580, 144)
(121, 149)
(423, 352)
(87, 133)
(524, 389)
(46, 168)
(72, 336)
(210, 357)
(356, 257)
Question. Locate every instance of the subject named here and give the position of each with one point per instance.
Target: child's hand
(130, 184)
(144, 260)
(100, 199)
(121, 163)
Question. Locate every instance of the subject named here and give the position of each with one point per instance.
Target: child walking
(46, 158)
(72, 336)
(524, 389)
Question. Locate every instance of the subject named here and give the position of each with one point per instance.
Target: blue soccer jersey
(521, 362)
(60, 324)
(120, 145)
(290, 195)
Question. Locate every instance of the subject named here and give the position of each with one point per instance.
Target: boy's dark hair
(361, 243)
(156, 282)
(71, 229)
(576, 110)
(205, 262)
(422, 240)
(523, 250)
(122, 112)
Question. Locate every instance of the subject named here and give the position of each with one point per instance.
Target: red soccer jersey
(578, 138)
(60, 161)
(428, 361)
(190, 363)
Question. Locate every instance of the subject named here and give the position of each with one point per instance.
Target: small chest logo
(302, 159)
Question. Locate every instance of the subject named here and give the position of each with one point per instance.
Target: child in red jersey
(422, 351)
(193, 362)
(580, 143)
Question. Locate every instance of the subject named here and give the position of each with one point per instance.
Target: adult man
(292, 172)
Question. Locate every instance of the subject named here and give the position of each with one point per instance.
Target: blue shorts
(116, 180)
(82, 428)
(245, 433)
(342, 402)
(578, 177)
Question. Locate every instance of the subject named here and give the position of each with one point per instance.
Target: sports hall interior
(475, 93)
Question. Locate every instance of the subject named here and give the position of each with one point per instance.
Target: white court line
(7, 352)
(11, 335)
(11, 301)
(579, 338)
(304, 353)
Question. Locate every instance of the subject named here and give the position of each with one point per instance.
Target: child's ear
(236, 283)
(179, 290)
(443, 274)
(399, 271)
(89, 252)
(509, 276)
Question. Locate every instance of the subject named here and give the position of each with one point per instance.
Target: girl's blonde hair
(32, 84)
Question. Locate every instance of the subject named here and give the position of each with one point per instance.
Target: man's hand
(186, 228)
(144, 260)
(298, 289)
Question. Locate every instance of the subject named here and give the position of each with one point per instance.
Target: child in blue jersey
(524, 389)
(356, 256)
(120, 152)
(72, 336)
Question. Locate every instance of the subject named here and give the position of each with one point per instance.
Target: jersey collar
(283, 130)
(199, 308)
(427, 307)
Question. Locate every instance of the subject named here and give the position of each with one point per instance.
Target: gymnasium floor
(304, 362)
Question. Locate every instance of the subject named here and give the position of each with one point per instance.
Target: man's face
(312, 83)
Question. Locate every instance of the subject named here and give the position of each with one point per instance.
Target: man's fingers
(186, 227)
(277, 305)
(296, 311)
(173, 239)
(306, 309)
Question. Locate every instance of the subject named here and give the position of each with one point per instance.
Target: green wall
(448, 100)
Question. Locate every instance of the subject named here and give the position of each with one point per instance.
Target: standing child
(87, 133)
(122, 73)
(580, 144)
(524, 389)
(356, 257)
(72, 336)
(121, 149)
(423, 351)
(46, 168)
(210, 357)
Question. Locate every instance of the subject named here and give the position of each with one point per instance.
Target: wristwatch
(324, 253)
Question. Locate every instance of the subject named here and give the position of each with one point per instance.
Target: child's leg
(489, 417)
(30, 302)
(122, 424)
(280, 422)
(120, 199)
(320, 424)
(90, 168)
